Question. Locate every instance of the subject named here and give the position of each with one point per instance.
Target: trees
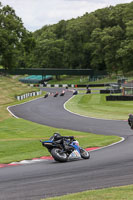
(111, 39)
(96, 50)
(101, 40)
(14, 38)
(125, 52)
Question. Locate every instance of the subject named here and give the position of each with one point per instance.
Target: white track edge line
(122, 140)
(8, 108)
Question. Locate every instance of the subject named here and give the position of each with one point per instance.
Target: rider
(64, 140)
(130, 121)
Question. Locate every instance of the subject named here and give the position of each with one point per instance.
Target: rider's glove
(71, 137)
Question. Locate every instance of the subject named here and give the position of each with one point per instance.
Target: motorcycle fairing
(75, 147)
(74, 155)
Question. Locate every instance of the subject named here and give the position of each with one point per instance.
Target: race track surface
(112, 166)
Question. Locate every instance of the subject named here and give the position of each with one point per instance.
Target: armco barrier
(110, 91)
(119, 98)
(99, 85)
(55, 85)
(70, 85)
(29, 94)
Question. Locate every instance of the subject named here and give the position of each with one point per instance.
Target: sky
(37, 13)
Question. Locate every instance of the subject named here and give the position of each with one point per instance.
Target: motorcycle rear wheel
(58, 155)
(84, 154)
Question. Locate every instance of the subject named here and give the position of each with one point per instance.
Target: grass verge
(117, 193)
(67, 79)
(9, 88)
(95, 105)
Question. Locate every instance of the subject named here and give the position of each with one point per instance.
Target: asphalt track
(112, 166)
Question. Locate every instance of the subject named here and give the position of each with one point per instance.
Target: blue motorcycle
(64, 148)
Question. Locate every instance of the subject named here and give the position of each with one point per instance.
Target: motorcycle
(62, 93)
(64, 148)
(56, 94)
(130, 121)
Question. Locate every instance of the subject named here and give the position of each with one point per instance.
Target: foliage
(101, 40)
(15, 40)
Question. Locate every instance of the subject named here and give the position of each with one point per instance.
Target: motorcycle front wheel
(58, 155)
(84, 154)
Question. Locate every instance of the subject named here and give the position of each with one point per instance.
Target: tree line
(15, 41)
(101, 40)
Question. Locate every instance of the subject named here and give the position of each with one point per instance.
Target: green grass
(9, 88)
(65, 79)
(95, 105)
(19, 139)
(116, 193)
(69, 80)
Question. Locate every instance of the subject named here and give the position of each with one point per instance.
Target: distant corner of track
(8, 108)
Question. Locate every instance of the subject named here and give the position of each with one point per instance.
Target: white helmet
(76, 142)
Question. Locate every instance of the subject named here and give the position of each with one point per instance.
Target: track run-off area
(107, 167)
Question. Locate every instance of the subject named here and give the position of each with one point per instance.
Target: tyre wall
(119, 98)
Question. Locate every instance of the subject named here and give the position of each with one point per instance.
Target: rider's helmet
(57, 136)
(76, 142)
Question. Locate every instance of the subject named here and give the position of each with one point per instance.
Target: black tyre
(131, 126)
(62, 94)
(58, 155)
(46, 95)
(84, 154)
